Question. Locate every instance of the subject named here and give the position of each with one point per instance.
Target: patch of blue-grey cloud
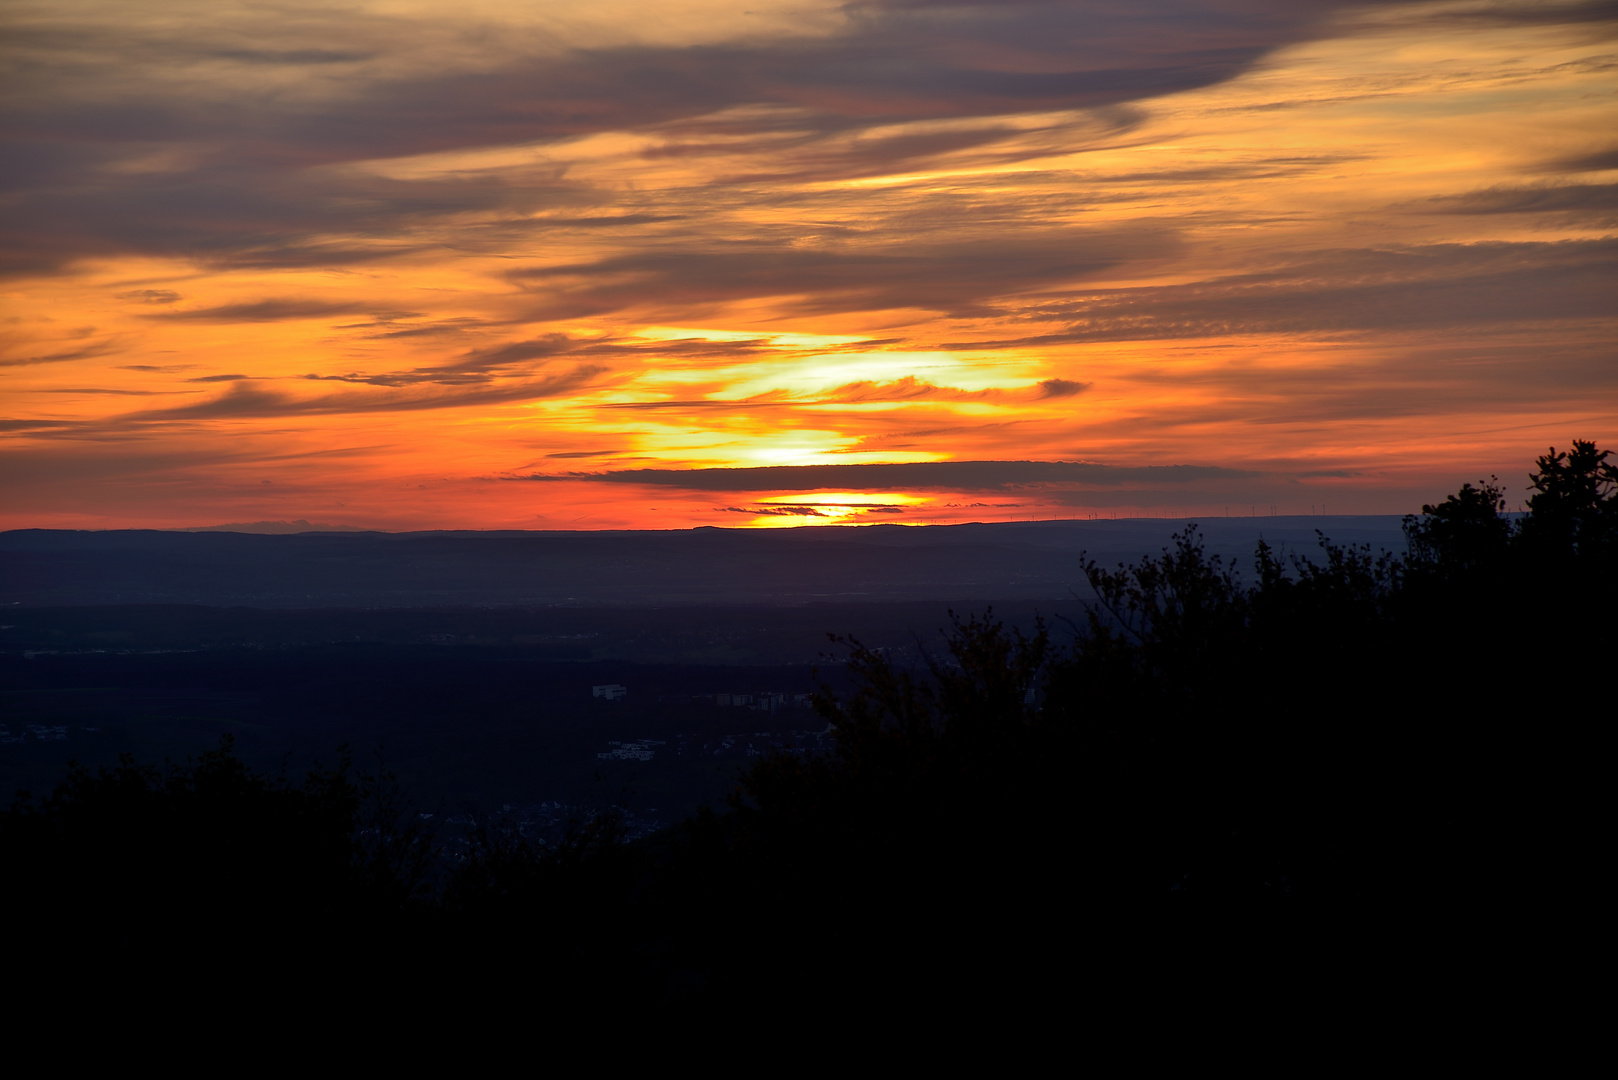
(249, 183)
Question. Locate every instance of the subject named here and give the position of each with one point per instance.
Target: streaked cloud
(243, 401)
(85, 352)
(261, 311)
(150, 296)
(944, 475)
(1596, 204)
(1355, 290)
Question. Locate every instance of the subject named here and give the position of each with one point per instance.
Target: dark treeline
(1271, 773)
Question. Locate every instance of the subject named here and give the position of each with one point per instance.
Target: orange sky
(551, 266)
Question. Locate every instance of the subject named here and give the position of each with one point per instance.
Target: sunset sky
(590, 264)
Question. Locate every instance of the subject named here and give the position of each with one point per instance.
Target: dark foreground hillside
(1223, 794)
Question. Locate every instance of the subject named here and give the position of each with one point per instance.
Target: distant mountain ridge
(271, 528)
(958, 564)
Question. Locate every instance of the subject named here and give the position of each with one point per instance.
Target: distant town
(764, 701)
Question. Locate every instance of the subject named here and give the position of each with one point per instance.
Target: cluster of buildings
(545, 824)
(40, 732)
(767, 701)
(639, 750)
(758, 744)
(549, 822)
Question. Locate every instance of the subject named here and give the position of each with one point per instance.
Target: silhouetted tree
(208, 861)
(1166, 624)
(1468, 530)
(1574, 508)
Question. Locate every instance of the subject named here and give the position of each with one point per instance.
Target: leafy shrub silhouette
(1573, 513)
(209, 862)
(1468, 530)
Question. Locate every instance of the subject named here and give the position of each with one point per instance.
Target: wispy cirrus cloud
(62, 356)
(1600, 161)
(106, 390)
(38, 425)
(906, 389)
(923, 274)
(909, 388)
(1592, 204)
(245, 401)
(906, 476)
(1367, 290)
(150, 296)
(274, 310)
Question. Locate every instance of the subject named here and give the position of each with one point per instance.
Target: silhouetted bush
(1341, 747)
(208, 863)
